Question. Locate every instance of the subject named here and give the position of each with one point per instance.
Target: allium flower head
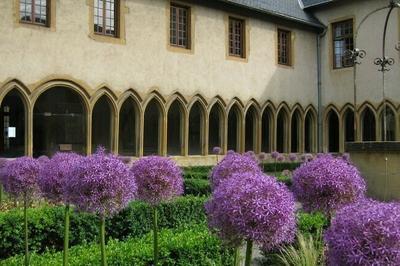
(230, 152)
(262, 156)
(101, 184)
(216, 150)
(125, 159)
(292, 157)
(346, 156)
(327, 183)
(286, 172)
(250, 153)
(233, 163)
(253, 207)
(55, 173)
(364, 234)
(274, 154)
(159, 179)
(280, 158)
(20, 177)
(43, 159)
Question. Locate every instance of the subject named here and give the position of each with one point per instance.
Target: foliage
(233, 163)
(280, 166)
(253, 207)
(158, 178)
(365, 233)
(307, 252)
(19, 177)
(46, 231)
(326, 183)
(184, 247)
(54, 174)
(197, 187)
(311, 223)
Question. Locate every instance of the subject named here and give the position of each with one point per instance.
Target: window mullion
(103, 30)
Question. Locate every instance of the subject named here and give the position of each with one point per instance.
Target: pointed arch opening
(102, 124)
(295, 130)
(309, 132)
(234, 129)
(215, 128)
(175, 126)
(153, 120)
(251, 129)
(390, 124)
(282, 131)
(267, 130)
(349, 126)
(196, 129)
(368, 125)
(59, 122)
(128, 128)
(333, 131)
(13, 120)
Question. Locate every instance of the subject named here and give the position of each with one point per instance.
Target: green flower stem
(26, 230)
(236, 257)
(1, 194)
(102, 240)
(66, 234)
(275, 168)
(155, 236)
(249, 249)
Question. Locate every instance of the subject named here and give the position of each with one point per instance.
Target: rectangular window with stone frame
(236, 37)
(284, 47)
(35, 12)
(342, 36)
(105, 17)
(179, 26)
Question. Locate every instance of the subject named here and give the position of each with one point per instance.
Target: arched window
(12, 119)
(309, 129)
(390, 125)
(266, 130)
(153, 118)
(281, 131)
(333, 132)
(295, 131)
(234, 129)
(175, 129)
(368, 125)
(196, 129)
(349, 126)
(59, 122)
(251, 130)
(215, 132)
(128, 128)
(102, 124)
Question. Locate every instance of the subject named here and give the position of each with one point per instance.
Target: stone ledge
(373, 146)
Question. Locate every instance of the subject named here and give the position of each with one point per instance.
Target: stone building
(177, 78)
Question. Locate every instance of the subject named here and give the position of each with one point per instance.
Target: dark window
(34, 12)
(106, 17)
(236, 37)
(180, 26)
(342, 41)
(284, 46)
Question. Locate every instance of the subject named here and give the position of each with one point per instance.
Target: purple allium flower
(262, 156)
(274, 154)
(125, 159)
(230, 152)
(55, 173)
(286, 172)
(280, 158)
(216, 150)
(20, 177)
(101, 184)
(158, 178)
(365, 233)
(250, 154)
(327, 183)
(233, 163)
(252, 206)
(43, 159)
(346, 156)
(320, 154)
(292, 157)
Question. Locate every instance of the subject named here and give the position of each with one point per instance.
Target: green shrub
(197, 187)
(285, 179)
(311, 223)
(270, 167)
(46, 224)
(185, 247)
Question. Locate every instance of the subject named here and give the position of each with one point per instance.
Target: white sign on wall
(12, 132)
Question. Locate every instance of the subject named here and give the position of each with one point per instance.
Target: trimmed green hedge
(194, 246)
(311, 223)
(46, 224)
(270, 167)
(197, 187)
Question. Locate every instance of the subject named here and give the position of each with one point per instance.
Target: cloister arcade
(62, 116)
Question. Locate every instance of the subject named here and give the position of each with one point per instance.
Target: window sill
(107, 39)
(178, 49)
(237, 58)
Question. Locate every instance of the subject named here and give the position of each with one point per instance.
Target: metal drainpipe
(319, 85)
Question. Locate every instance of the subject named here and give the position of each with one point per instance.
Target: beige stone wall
(338, 84)
(142, 61)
